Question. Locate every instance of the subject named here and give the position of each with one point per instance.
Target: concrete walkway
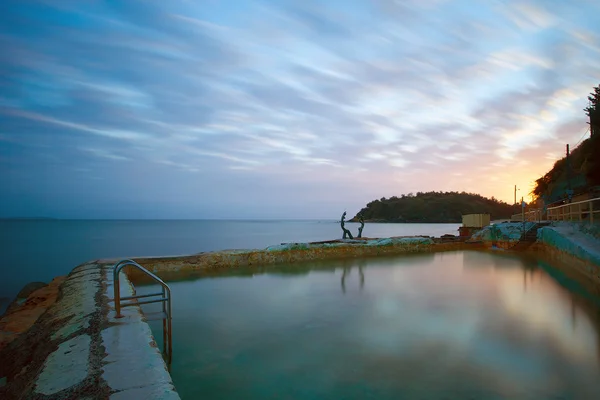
(77, 349)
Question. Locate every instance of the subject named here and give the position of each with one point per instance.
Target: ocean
(39, 250)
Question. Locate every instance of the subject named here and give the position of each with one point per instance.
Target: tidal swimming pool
(452, 325)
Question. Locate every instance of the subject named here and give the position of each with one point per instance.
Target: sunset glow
(284, 109)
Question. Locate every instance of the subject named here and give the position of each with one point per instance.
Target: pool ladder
(165, 299)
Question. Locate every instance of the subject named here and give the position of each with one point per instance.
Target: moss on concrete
(76, 350)
(285, 253)
(567, 243)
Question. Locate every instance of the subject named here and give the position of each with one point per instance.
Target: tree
(593, 111)
(584, 161)
(434, 207)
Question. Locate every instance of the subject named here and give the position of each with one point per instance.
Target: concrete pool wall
(564, 244)
(288, 253)
(77, 349)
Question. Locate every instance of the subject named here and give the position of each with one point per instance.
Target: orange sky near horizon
(272, 110)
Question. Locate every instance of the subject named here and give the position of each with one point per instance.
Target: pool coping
(291, 253)
(78, 349)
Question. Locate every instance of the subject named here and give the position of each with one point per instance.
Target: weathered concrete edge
(291, 253)
(77, 349)
(134, 366)
(552, 237)
(503, 235)
(563, 248)
(583, 264)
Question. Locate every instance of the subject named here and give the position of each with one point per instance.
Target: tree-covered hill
(434, 207)
(581, 172)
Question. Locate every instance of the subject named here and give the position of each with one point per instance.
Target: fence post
(592, 211)
(570, 212)
(523, 214)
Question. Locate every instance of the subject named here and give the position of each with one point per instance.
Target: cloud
(103, 154)
(387, 96)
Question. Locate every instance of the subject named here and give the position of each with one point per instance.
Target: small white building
(475, 220)
(472, 223)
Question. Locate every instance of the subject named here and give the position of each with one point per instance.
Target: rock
(30, 288)
(23, 313)
(25, 292)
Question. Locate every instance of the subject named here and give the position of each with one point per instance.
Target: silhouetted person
(362, 225)
(347, 233)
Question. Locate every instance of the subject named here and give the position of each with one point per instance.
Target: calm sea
(38, 250)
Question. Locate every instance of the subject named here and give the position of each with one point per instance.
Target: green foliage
(590, 164)
(594, 108)
(583, 170)
(435, 207)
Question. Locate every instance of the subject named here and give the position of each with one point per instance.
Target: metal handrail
(165, 300)
(525, 232)
(533, 215)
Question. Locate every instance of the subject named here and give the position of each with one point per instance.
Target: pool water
(454, 325)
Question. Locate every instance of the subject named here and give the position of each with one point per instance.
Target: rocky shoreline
(29, 305)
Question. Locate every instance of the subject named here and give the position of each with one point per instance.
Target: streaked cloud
(345, 101)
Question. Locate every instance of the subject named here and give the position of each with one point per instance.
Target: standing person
(347, 233)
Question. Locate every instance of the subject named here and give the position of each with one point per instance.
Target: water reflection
(346, 271)
(449, 325)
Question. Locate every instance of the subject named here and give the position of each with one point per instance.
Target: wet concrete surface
(77, 349)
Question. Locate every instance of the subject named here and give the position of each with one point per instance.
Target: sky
(284, 109)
